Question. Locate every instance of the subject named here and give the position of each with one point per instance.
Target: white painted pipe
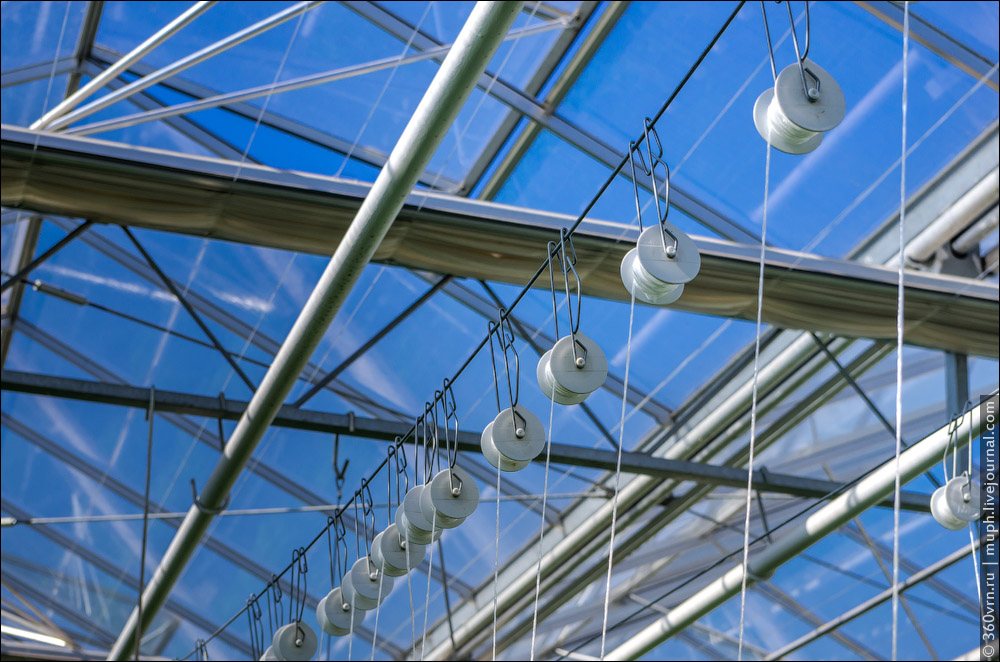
(954, 219)
(119, 67)
(969, 240)
(878, 485)
(478, 41)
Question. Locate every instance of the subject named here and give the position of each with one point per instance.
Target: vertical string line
(899, 341)
(378, 608)
(145, 515)
(753, 397)
(541, 530)
(972, 526)
(496, 564)
(618, 474)
(385, 88)
(430, 576)
(409, 588)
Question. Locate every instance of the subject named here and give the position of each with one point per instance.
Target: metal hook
(451, 415)
(340, 471)
(654, 160)
(565, 252)
(505, 337)
(222, 432)
(633, 151)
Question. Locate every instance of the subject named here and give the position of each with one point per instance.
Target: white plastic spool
(513, 441)
(956, 503)
(395, 555)
(493, 456)
(412, 522)
(294, 642)
(450, 497)
(334, 615)
(797, 123)
(569, 379)
(361, 586)
(268, 654)
(653, 276)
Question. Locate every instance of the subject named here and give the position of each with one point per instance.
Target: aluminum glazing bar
(476, 44)
(180, 65)
(122, 65)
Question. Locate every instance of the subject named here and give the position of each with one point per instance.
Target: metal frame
(963, 57)
(291, 416)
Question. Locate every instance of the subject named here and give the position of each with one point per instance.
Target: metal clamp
(202, 508)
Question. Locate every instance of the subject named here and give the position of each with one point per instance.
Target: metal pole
(871, 603)
(878, 485)
(184, 63)
(119, 67)
(478, 41)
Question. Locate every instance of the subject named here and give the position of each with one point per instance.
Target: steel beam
(80, 177)
(74, 97)
(310, 80)
(479, 39)
(289, 416)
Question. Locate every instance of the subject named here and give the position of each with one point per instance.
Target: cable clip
(202, 508)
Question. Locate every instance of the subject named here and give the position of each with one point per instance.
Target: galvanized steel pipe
(455, 80)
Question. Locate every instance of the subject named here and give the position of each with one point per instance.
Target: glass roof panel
(131, 331)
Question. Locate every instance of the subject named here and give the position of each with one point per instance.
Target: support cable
(899, 340)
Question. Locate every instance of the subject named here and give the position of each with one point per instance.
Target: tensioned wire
(503, 317)
(385, 88)
(899, 340)
(618, 469)
(753, 397)
(475, 111)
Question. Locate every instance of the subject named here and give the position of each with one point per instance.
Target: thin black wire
(151, 414)
(827, 497)
(566, 234)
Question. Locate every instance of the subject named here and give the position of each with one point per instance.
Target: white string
(618, 475)
(378, 608)
(899, 343)
(350, 632)
(496, 566)
(267, 99)
(385, 87)
(409, 588)
(972, 527)
(541, 530)
(475, 111)
(783, 127)
(430, 577)
(753, 397)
